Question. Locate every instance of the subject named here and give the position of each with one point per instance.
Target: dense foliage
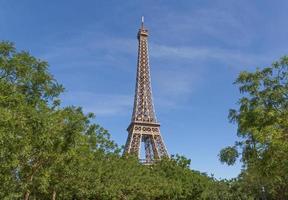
(48, 151)
(262, 120)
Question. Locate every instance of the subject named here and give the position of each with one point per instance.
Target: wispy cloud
(234, 58)
(174, 83)
(222, 25)
(179, 68)
(175, 87)
(88, 49)
(100, 104)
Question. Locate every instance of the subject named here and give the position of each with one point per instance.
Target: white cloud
(234, 58)
(90, 48)
(224, 26)
(100, 104)
(173, 84)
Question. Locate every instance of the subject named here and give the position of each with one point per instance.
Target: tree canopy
(262, 120)
(51, 151)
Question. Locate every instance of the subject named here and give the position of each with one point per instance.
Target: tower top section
(143, 32)
(143, 110)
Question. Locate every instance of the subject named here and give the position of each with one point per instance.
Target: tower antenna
(142, 22)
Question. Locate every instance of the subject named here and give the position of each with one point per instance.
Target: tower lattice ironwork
(144, 127)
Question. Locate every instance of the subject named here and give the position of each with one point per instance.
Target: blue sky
(197, 49)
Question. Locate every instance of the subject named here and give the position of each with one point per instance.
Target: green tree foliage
(229, 155)
(262, 120)
(52, 152)
(38, 138)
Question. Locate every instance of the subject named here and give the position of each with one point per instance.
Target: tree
(48, 151)
(38, 138)
(27, 90)
(263, 129)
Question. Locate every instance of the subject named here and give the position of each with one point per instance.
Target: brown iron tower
(144, 127)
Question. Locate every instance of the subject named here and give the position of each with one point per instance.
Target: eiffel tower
(144, 127)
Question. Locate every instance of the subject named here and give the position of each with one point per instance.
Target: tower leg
(127, 145)
(133, 144)
(148, 151)
(154, 147)
(161, 146)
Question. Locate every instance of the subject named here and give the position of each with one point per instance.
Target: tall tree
(38, 138)
(27, 94)
(262, 120)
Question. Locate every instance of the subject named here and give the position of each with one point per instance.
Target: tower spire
(144, 126)
(142, 22)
